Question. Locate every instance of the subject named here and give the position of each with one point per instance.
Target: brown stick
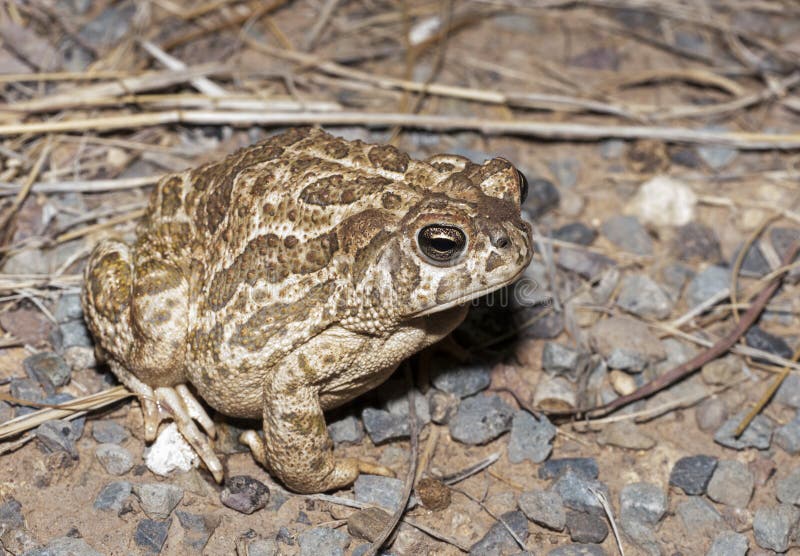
(723, 345)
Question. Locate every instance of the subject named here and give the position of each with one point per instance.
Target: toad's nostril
(501, 241)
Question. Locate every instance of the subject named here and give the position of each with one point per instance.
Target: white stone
(664, 201)
(170, 452)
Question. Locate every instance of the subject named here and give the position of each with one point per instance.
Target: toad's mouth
(466, 298)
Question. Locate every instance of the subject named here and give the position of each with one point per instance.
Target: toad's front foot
(320, 474)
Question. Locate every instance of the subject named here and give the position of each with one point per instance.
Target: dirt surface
(637, 75)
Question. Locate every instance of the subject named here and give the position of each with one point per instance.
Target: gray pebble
(625, 434)
(643, 297)
(151, 535)
(710, 414)
(789, 391)
(481, 419)
(576, 492)
(397, 404)
(158, 499)
(26, 389)
(71, 334)
(561, 360)
(627, 233)
(554, 468)
(587, 264)
(759, 338)
(463, 381)
(262, 547)
(542, 197)
(347, 430)
(498, 540)
(578, 550)
(65, 546)
(565, 170)
(386, 492)
(642, 535)
(716, 156)
(49, 369)
(68, 307)
(531, 438)
(699, 518)
(722, 370)
(113, 496)
(58, 436)
(383, 426)
(758, 433)
(707, 284)
(11, 514)
(643, 502)
(107, 431)
(692, 473)
(575, 232)
(731, 484)
(586, 528)
(696, 242)
(788, 488)
(729, 543)
(544, 507)
(244, 494)
(776, 527)
(626, 343)
(323, 541)
(198, 528)
(788, 436)
(114, 458)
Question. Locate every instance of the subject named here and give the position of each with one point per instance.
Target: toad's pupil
(441, 243)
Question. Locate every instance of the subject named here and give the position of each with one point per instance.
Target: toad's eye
(523, 187)
(441, 244)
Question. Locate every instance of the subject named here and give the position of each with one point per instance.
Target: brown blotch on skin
(390, 200)
(110, 284)
(171, 190)
(290, 136)
(452, 286)
(389, 158)
(290, 241)
(493, 261)
(335, 148)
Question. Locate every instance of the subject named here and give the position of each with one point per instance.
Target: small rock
(578, 550)
(11, 514)
(65, 546)
(68, 307)
(386, 492)
(576, 492)
(699, 518)
(58, 436)
(49, 369)
(723, 370)
(498, 540)
(115, 459)
(758, 433)
(788, 436)
(729, 543)
(151, 535)
(554, 468)
(263, 547)
(643, 297)
(710, 414)
(542, 197)
(555, 394)
(763, 340)
(674, 277)
(628, 234)
(788, 488)
(368, 524)
(113, 496)
(731, 484)
(664, 201)
(244, 494)
(170, 452)
(530, 438)
(622, 382)
(397, 403)
(776, 527)
(198, 529)
(463, 381)
(481, 419)
(587, 264)
(347, 430)
(707, 284)
(754, 265)
(106, 431)
(323, 541)
(433, 494)
(544, 507)
(158, 499)
(696, 243)
(576, 232)
(565, 170)
(26, 389)
(71, 334)
(561, 360)
(626, 343)
(586, 528)
(643, 502)
(383, 426)
(692, 473)
(625, 434)
(443, 406)
(716, 156)
(789, 391)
